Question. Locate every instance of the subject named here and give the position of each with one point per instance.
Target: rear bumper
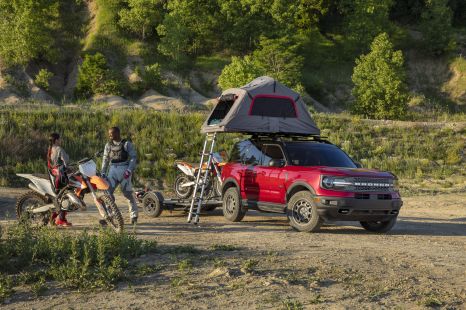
(352, 209)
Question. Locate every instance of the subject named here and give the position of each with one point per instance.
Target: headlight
(395, 185)
(340, 183)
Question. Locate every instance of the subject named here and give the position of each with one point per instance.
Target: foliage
(276, 58)
(42, 78)
(27, 30)
(365, 19)
(379, 82)
(95, 77)
(152, 76)
(81, 260)
(141, 17)
(436, 26)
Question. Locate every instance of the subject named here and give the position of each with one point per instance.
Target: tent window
(273, 106)
(221, 109)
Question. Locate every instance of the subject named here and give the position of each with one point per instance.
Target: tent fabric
(262, 106)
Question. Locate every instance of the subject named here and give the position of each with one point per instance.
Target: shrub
(42, 78)
(379, 82)
(95, 77)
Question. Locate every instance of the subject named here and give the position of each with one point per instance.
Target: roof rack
(288, 137)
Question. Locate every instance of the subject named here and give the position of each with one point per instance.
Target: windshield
(317, 154)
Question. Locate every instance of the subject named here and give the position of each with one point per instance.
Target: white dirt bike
(185, 181)
(38, 205)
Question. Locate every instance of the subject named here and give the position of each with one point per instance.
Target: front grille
(362, 196)
(372, 184)
(384, 197)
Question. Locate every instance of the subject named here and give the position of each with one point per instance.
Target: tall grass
(413, 151)
(80, 261)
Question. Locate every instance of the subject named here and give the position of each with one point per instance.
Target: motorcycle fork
(102, 210)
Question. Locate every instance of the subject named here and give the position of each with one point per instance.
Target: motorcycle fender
(186, 170)
(99, 183)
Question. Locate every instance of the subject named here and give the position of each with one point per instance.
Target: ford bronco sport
(308, 179)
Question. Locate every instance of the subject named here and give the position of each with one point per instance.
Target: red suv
(311, 180)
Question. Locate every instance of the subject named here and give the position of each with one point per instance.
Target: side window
(246, 153)
(271, 151)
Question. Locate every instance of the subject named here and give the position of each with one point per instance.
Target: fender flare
(228, 181)
(299, 183)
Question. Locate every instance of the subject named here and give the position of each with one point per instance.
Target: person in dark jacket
(119, 160)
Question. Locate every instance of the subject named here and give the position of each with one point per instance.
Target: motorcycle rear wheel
(116, 219)
(26, 203)
(183, 192)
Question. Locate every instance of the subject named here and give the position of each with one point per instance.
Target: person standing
(120, 160)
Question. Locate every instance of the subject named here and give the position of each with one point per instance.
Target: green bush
(81, 260)
(42, 78)
(95, 77)
(379, 82)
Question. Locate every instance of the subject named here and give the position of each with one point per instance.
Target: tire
(302, 212)
(41, 219)
(180, 192)
(116, 219)
(379, 226)
(152, 204)
(232, 209)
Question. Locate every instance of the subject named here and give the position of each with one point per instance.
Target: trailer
(153, 203)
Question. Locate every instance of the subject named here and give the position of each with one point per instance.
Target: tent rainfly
(262, 106)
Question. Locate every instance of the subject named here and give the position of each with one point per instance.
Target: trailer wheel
(152, 204)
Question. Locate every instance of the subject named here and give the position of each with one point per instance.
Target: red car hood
(354, 172)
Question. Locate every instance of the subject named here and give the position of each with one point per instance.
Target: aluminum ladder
(209, 144)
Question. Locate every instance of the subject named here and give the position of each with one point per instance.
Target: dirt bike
(38, 205)
(185, 181)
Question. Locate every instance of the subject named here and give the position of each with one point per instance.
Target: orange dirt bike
(46, 197)
(185, 181)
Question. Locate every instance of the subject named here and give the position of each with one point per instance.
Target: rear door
(249, 157)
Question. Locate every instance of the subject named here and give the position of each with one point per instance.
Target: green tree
(141, 17)
(27, 30)
(298, 15)
(239, 72)
(95, 77)
(276, 58)
(365, 19)
(436, 26)
(379, 82)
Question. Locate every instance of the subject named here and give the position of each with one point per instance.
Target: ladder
(198, 195)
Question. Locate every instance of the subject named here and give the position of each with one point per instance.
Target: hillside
(170, 55)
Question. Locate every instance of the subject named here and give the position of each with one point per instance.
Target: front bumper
(373, 208)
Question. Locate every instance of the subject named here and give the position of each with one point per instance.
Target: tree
(379, 82)
(364, 19)
(42, 78)
(141, 17)
(239, 72)
(436, 26)
(94, 77)
(276, 58)
(27, 30)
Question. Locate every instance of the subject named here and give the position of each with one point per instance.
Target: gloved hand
(127, 174)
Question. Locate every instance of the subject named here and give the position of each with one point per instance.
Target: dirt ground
(261, 263)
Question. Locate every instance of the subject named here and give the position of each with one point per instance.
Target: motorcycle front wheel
(25, 205)
(115, 219)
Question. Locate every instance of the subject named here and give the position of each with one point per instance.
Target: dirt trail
(267, 265)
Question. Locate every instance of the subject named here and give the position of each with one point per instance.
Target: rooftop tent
(262, 106)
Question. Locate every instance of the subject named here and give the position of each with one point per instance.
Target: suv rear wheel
(379, 226)
(232, 209)
(302, 212)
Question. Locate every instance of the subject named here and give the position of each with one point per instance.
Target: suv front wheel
(232, 209)
(302, 212)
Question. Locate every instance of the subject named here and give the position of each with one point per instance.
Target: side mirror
(276, 163)
(358, 164)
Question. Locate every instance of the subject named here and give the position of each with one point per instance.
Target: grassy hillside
(426, 156)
